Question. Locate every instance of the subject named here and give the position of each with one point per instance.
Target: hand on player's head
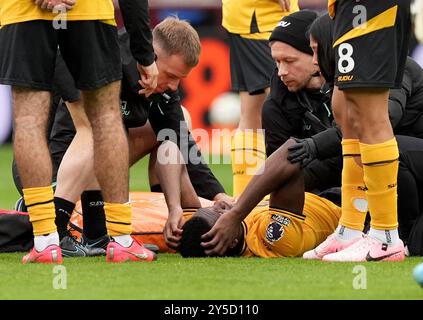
(224, 197)
(222, 206)
(200, 223)
(172, 231)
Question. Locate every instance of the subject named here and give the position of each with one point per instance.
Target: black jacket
(287, 114)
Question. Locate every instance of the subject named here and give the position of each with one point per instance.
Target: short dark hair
(201, 222)
(193, 229)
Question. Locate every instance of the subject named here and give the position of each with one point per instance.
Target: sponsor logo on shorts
(283, 24)
(274, 231)
(345, 78)
(123, 106)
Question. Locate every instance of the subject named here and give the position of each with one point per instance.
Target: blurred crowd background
(206, 92)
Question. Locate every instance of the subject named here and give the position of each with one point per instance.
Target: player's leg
(31, 82)
(141, 141)
(75, 174)
(31, 109)
(153, 179)
(251, 108)
(94, 234)
(76, 168)
(366, 96)
(354, 203)
(251, 67)
(96, 67)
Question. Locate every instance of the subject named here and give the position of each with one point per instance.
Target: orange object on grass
(149, 215)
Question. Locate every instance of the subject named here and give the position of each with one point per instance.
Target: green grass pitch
(172, 277)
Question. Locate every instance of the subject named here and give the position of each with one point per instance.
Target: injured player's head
(200, 223)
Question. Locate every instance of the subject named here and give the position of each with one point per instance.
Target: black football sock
(64, 209)
(94, 219)
(156, 188)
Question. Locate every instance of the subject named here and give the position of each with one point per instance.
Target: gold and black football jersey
(272, 232)
(253, 17)
(14, 11)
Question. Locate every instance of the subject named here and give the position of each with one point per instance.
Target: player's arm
(137, 22)
(169, 172)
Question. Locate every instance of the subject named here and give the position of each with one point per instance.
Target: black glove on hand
(303, 151)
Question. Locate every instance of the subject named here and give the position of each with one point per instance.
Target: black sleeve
(281, 115)
(396, 105)
(137, 22)
(168, 115)
(323, 174)
(328, 143)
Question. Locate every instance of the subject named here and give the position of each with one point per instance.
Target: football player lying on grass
(294, 221)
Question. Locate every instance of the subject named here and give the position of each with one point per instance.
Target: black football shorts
(28, 54)
(371, 42)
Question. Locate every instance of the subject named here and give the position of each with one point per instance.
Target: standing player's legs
(31, 110)
(251, 68)
(364, 82)
(96, 68)
(354, 202)
(111, 163)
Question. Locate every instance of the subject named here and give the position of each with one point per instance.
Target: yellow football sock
(118, 218)
(380, 164)
(248, 154)
(354, 202)
(40, 204)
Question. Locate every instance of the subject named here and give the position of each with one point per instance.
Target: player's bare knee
(168, 153)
